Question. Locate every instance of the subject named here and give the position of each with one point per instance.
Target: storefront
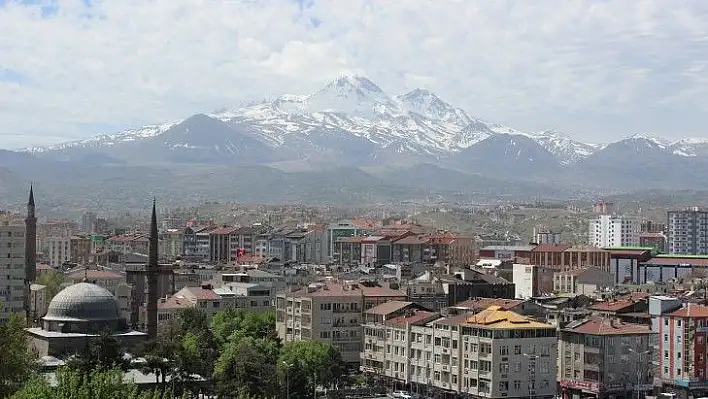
(575, 389)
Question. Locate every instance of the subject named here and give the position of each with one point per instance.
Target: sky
(597, 70)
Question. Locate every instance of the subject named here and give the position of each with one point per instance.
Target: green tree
(307, 364)
(17, 362)
(247, 366)
(235, 322)
(71, 384)
(53, 281)
(101, 353)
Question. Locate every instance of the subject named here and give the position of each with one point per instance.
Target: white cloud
(596, 68)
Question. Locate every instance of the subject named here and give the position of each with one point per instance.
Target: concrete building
(682, 364)
(532, 280)
(687, 231)
(88, 220)
(546, 237)
(38, 301)
(348, 228)
(614, 231)
(603, 208)
(603, 357)
(588, 281)
(12, 260)
(330, 312)
(56, 250)
(493, 354)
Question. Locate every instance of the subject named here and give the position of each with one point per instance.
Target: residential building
(56, 250)
(448, 248)
(196, 242)
(12, 265)
(657, 241)
(603, 207)
(348, 228)
(494, 353)
(603, 357)
(614, 231)
(631, 307)
(532, 280)
(687, 231)
(220, 244)
(563, 310)
(682, 335)
(128, 243)
(330, 312)
(80, 249)
(516, 253)
(546, 237)
(87, 222)
(588, 281)
(649, 226)
(172, 243)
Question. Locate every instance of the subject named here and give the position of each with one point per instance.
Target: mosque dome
(84, 303)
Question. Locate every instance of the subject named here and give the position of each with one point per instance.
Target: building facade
(687, 231)
(12, 265)
(493, 354)
(614, 231)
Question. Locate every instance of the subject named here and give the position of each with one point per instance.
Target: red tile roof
(599, 325)
(672, 260)
(620, 303)
(381, 292)
(412, 240)
(174, 302)
(95, 274)
(691, 310)
(388, 307)
(203, 294)
(364, 223)
(417, 317)
(551, 248)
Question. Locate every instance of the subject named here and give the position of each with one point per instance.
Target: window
(504, 368)
(324, 334)
(503, 385)
(678, 323)
(504, 350)
(517, 349)
(666, 337)
(517, 385)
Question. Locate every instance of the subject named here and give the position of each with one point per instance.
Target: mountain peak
(353, 81)
(658, 141)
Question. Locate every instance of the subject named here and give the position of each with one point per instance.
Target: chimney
(152, 276)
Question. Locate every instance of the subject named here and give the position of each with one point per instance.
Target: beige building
(494, 353)
(603, 357)
(330, 312)
(56, 250)
(12, 265)
(587, 281)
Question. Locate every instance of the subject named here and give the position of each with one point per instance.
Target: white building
(614, 231)
(56, 250)
(12, 265)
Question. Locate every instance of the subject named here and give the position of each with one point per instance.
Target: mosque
(81, 312)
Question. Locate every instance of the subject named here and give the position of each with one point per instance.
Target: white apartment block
(614, 231)
(56, 250)
(687, 232)
(12, 265)
(492, 354)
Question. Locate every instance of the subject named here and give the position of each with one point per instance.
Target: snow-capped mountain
(351, 114)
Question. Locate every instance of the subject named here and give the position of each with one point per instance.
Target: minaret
(30, 253)
(153, 272)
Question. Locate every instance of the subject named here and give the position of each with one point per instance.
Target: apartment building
(603, 357)
(495, 353)
(614, 231)
(682, 365)
(55, 250)
(12, 265)
(330, 312)
(586, 281)
(687, 231)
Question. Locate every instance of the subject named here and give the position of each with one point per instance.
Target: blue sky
(597, 70)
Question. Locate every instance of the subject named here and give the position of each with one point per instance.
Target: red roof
(381, 292)
(691, 310)
(94, 274)
(388, 307)
(551, 248)
(620, 303)
(203, 294)
(671, 261)
(412, 240)
(417, 317)
(174, 302)
(599, 325)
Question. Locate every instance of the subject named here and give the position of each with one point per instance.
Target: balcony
(592, 367)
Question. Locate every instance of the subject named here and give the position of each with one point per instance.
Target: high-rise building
(687, 231)
(603, 208)
(12, 271)
(613, 231)
(87, 222)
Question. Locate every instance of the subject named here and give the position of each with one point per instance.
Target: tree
(53, 281)
(17, 364)
(101, 353)
(230, 322)
(71, 384)
(308, 364)
(247, 366)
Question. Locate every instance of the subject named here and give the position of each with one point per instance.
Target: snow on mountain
(417, 122)
(649, 140)
(566, 149)
(690, 147)
(108, 140)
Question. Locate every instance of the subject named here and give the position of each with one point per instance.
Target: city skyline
(597, 71)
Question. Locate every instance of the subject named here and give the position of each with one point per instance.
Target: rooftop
(484, 303)
(599, 325)
(494, 317)
(551, 248)
(388, 307)
(417, 317)
(621, 302)
(691, 310)
(509, 248)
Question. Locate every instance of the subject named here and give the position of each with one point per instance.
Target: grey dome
(83, 302)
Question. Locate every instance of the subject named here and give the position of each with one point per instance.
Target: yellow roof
(497, 318)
